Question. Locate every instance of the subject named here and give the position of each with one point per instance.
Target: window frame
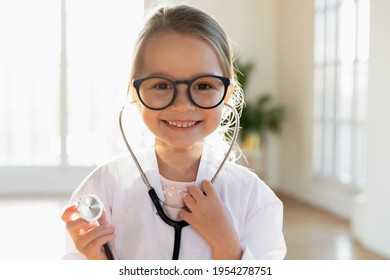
(326, 166)
(60, 179)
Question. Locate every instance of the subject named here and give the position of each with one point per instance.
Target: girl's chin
(178, 145)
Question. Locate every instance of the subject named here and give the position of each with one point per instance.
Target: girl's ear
(228, 93)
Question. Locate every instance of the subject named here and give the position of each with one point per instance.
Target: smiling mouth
(182, 124)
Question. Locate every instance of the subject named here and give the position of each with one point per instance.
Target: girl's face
(180, 57)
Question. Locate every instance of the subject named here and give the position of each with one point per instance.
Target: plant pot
(251, 141)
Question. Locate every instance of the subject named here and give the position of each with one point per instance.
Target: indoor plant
(259, 116)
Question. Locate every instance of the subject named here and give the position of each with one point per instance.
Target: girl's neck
(179, 164)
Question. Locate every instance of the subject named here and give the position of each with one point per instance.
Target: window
(64, 66)
(341, 79)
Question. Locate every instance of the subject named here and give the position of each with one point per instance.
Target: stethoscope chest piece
(90, 208)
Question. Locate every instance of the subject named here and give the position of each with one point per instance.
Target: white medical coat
(141, 234)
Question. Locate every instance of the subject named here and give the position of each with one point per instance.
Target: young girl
(181, 77)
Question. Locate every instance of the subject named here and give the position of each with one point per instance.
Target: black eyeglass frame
(137, 83)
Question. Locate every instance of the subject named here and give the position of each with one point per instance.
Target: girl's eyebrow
(163, 74)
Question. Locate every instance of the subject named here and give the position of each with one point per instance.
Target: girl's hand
(211, 220)
(87, 237)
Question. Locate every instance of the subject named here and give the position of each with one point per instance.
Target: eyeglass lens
(158, 92)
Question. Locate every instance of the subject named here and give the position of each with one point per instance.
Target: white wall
(295, 64)
(372, 216)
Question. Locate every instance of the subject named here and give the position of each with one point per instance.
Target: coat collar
(209, 164)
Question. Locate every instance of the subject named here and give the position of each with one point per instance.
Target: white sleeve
(263, 237)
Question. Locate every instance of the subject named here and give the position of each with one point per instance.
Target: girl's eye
(203, 86)
(162, 86)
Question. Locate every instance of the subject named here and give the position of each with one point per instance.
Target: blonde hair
(188, 20)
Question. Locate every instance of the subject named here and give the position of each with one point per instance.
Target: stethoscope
(91, 208)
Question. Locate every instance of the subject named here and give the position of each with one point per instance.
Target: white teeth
(181, 124)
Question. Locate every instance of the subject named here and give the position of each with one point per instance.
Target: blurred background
(314, 129)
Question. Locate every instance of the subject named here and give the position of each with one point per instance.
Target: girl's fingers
(68, 212)
(196, 197)
(76, 227)
(94, 249)
(189, 201)
(185, 215)
(95, 238)
(208, 188)
(197, 194)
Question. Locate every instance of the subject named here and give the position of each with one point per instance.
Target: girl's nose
(182, 101)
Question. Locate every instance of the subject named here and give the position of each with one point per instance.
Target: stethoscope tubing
(177, 225)
(108, 251)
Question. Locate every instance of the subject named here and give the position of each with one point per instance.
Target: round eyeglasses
(158, 93)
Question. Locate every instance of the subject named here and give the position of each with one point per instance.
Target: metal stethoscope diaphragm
(90, 208)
